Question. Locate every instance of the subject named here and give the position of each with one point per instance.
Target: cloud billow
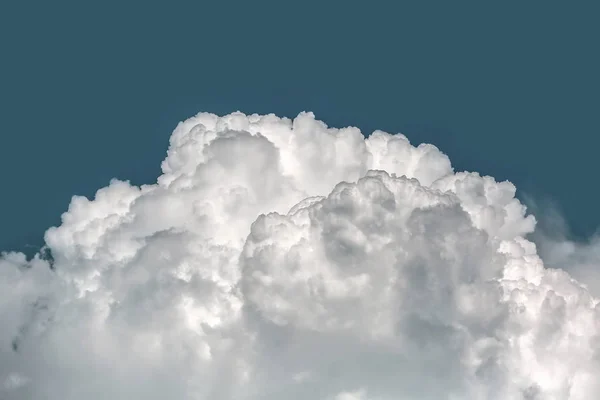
(283, 259)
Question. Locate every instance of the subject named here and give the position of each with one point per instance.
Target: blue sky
(91, 92)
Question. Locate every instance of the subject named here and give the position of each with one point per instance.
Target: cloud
(279, 258)
(580, 258)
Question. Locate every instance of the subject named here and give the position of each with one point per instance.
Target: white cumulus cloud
(283, 259)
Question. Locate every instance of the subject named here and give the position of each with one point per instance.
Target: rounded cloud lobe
(279, 258)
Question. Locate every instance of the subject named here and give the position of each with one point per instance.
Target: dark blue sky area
(92, 91)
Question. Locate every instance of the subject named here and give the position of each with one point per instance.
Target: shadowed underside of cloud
(283, 259)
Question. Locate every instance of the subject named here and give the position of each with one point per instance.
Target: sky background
(93, 91)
